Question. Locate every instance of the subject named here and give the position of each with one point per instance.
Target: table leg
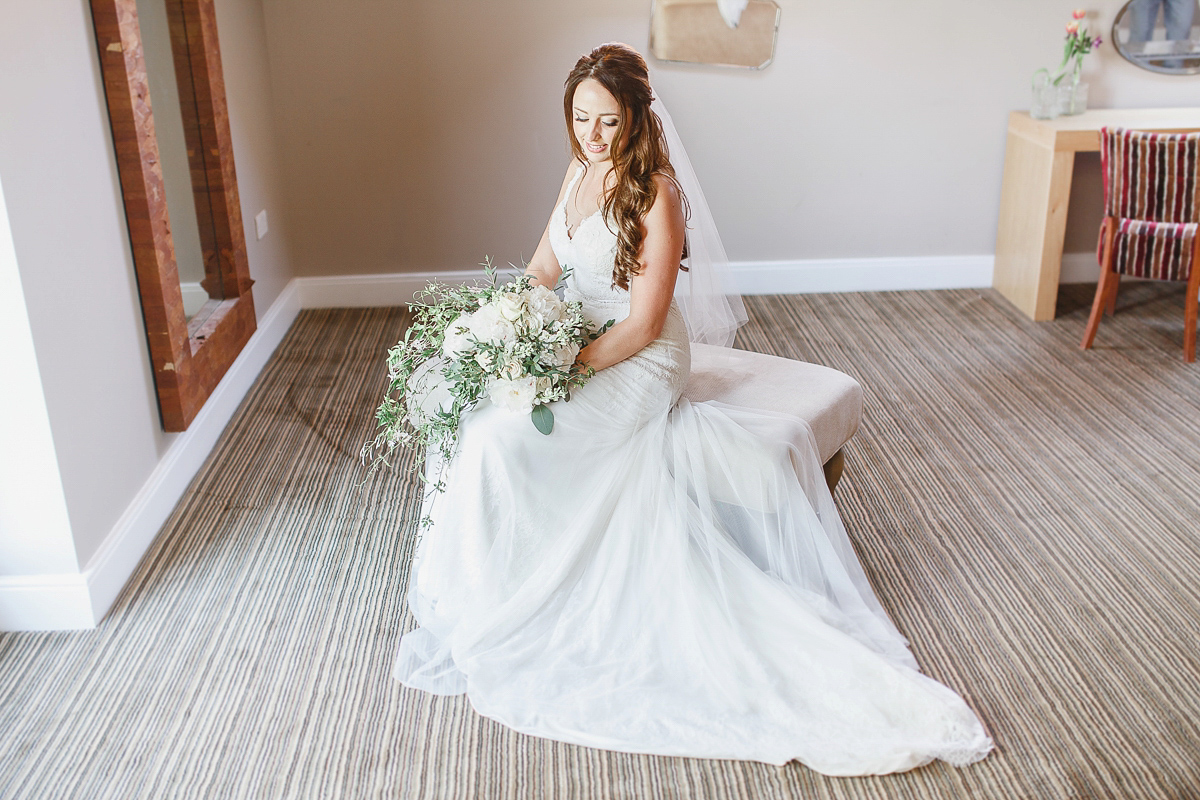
(1033, 222)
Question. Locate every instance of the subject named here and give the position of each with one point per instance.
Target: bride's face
(595, 120)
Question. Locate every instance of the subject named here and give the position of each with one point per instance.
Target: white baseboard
(80, 600)
(45, 603)
(817, 276)
(194, 298)
(1084, 268)
(1079, 268)
(751, 277)
(131, 537)
(370, 291)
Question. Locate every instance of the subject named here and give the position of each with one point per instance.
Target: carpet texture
(1028, 513)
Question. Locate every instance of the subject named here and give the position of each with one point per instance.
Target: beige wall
(248, 91)
(68, 227)
(426, 134)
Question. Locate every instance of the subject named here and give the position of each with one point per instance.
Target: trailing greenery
(512, 343)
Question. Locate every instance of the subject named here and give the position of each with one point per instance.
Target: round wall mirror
(1160, 35)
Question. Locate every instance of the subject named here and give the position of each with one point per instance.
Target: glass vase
(1045, 97)
(1077, 102)
(1072, 94)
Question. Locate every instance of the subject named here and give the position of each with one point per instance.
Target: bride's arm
(544, 268)
(651, 290)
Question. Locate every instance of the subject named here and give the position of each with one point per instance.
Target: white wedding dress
(659, 576)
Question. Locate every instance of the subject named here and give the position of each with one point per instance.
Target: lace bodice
(590, 253)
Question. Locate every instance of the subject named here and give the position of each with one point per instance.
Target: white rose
(512, 369)
(484, 360)
(511, 306)
(489, 326)
(458, 341)
(543, 384)
(515, 395)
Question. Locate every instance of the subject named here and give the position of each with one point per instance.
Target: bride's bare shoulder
(668, 202)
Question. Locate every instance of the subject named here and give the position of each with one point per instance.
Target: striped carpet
(1028, 513)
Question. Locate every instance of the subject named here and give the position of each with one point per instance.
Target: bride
(657, 576)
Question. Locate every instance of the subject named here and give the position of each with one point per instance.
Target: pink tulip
(1072, 27)
(1079, 13)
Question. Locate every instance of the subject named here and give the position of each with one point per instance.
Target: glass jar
(1045, 103)
(1072, 94)
(1073, 98)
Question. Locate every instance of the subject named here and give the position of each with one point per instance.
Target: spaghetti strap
(571, 186)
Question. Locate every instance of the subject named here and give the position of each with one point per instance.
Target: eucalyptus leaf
(543, 419)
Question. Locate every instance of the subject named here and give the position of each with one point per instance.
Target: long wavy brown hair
(639, 149)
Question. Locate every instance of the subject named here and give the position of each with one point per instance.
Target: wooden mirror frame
(189, 359)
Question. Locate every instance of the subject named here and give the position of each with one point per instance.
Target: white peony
(515, 395)
(565, 356)
(458, 340)
(489, 325)
(544, 306)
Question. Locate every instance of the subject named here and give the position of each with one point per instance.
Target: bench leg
(833, 469)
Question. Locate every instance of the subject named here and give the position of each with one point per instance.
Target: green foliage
(543, 419)
(430, 389)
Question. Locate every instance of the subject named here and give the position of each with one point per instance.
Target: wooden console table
(1038, 160)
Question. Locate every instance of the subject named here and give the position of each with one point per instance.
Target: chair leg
(1105, 289)
(1189, 308)
(1189, 322)
(1112, 298)
(834, 467)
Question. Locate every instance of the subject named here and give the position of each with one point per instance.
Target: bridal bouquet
(513, 344)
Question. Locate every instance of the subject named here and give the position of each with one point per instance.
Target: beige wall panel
(424, 135)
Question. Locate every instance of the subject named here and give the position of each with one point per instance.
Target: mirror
(166, 102)
(697, 32)
(181, 152)
(177, 129)
(1160, 35)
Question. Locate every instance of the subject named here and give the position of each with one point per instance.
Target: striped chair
(1151, 216)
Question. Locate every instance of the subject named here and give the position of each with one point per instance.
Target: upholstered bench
(828, 400)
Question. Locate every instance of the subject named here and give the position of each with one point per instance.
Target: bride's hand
(580, 370)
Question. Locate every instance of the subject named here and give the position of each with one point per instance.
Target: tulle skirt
(658, 576)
